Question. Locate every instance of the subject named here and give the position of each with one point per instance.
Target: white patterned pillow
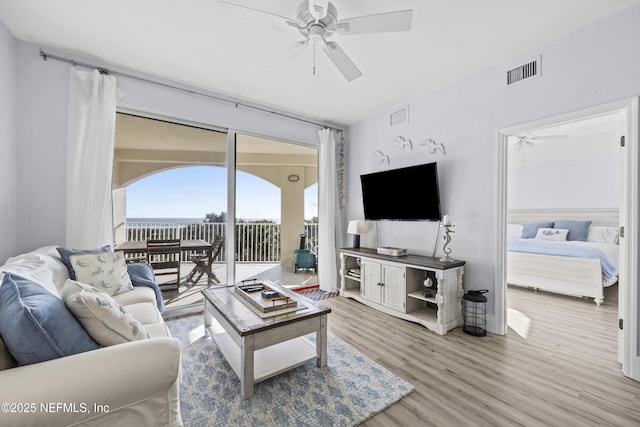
(603, 234)
(102, 317)
(106, 271)
(553, 234)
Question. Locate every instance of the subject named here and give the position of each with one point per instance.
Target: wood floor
(559, 369)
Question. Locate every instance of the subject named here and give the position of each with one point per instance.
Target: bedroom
(566, 175)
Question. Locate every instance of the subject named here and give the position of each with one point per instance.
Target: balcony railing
(255, 242)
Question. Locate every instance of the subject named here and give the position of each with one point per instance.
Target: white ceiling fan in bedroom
(529, 140)
(317, 20)
(522, 141)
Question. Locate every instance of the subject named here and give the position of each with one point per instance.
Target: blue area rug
(351, 389)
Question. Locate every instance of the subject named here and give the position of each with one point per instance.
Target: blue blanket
(535, 246)
(141, 274)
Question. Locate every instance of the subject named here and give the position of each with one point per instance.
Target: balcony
(257, 255)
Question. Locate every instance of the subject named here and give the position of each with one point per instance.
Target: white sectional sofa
(130, 384)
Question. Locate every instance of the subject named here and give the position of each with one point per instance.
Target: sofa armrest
(84, 386)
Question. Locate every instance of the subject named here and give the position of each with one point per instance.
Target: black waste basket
(474, 311)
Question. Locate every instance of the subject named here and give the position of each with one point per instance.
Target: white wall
(42, 135)
(589, 67)
(7, 144)
(579, 172)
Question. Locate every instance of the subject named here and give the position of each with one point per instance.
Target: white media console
(395, 285)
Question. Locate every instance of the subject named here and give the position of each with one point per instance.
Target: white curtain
(329, 223)
(92, 111)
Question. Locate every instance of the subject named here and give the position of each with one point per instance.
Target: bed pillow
(108, 322)
(603, 234)
(36, 325)
(529, 231)
(578, 230)
(65, 255)
(514, 231)
(106, 271)
(552, 234)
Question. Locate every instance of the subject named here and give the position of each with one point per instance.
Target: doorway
(628, 214)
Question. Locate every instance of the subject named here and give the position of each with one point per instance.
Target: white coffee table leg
(208, 317)
(246, 367)
(321, 343)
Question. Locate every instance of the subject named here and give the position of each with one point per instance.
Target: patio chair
(164, 257)
(201, 262)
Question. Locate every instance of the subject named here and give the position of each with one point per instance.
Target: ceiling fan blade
(261, 13)
(318, 8)
(342, 61)
(548, 137)
(289, 56)
(379, 23)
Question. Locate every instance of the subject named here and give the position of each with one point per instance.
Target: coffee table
(259, 347)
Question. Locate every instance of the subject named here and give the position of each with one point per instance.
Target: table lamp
(356, 228)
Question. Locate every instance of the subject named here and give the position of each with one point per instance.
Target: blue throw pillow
(578, 230)
(66, 254)
(142, 274)
(36, 325)
(529, 231)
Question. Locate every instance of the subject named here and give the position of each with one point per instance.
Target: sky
(195, 191)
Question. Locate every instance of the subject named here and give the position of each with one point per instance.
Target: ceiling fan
(316, 20)
(528, 139)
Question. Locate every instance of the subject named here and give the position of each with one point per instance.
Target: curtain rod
(103, 70)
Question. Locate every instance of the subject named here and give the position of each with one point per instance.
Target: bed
(541, 257)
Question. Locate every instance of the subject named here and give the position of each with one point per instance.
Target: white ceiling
(201, 43)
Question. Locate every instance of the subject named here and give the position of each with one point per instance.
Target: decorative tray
(265, 298)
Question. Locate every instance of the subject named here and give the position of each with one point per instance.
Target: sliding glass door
(276, 201)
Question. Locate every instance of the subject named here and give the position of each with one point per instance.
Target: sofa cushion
(65, 256)
(145, 312)
(138, 294)
(36, 325)
(158, 330)
(103, 317)
(105, 271)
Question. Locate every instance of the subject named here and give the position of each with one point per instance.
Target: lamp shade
(357, 227)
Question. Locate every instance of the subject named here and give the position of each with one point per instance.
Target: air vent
(526, 71)
(400, 116)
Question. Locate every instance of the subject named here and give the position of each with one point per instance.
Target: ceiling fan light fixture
(316, 32)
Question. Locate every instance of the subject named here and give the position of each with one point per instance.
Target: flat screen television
(404, 194)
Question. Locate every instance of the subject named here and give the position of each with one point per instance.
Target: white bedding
(610, 250)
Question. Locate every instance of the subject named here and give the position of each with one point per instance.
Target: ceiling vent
(523, 72)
